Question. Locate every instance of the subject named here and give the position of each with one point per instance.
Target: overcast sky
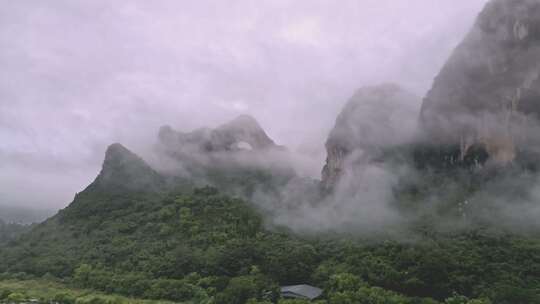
(76, 76)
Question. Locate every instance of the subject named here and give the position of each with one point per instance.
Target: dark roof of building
(303, 291)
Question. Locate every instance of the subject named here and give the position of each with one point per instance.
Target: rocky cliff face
(375, 118)
(488, 92)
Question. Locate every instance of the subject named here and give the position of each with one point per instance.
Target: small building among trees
(305, 292)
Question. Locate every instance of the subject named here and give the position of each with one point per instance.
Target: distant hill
(11, 231)
(25, 215)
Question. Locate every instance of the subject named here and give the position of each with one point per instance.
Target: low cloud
(77, 76)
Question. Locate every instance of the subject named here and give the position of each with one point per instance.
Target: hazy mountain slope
(487, 94)
(374, 119)
(150, 244)
(11, 231)
(237, 157)
(26, 215)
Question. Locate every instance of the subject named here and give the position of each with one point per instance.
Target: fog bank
(77, 76)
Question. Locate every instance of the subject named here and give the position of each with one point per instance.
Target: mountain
(472, 159)
(487, 95)
(374, 119)
(237, 157)
(131, 233)
(122, 170)
(202, 246)
(123, 175)
(242, 133)
(184, 228)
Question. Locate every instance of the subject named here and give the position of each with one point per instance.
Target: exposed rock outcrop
(488, 92)
(375, 118)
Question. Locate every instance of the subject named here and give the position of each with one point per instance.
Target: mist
(77, 76)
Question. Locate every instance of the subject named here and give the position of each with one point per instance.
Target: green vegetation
(205, 247)
(11, 231)
(45, 291)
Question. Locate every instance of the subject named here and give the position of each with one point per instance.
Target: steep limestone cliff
(488, 92)
(373, 119)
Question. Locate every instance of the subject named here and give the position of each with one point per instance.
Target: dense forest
(10, 231)
(205, 247)
(137, 234)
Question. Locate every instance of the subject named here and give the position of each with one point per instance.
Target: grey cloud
(76, 76)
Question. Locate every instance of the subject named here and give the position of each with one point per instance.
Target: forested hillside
(206, 246)
(10, 231)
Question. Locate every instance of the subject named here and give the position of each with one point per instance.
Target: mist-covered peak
(375, 117)
(242, 133)
(237, 156)
(117, 149)
(245, 121)
(123, 169)
(488, 92)
(117, 155)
